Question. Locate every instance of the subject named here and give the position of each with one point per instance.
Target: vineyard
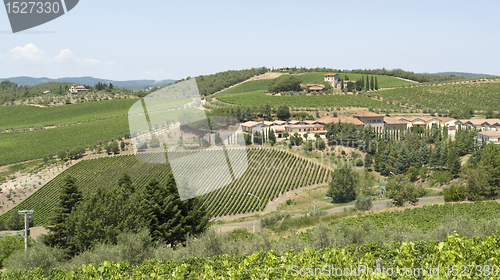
(475, 258)
(428, 216)
(29, 116)
(314, 77)
(479, 96)
(270, 172)
(21, 146)
(257, 98)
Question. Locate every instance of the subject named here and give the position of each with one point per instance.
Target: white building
(333, 79)
(489, 136)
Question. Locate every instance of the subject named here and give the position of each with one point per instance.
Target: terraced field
(21, 146)
(270, 172)
(479, 96)
(310, 78)
(257, 98)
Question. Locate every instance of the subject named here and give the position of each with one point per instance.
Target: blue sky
(125, 40)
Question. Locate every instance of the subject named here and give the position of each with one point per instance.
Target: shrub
(454, 193)
(363, 203)
(38, 255)
(274, 218)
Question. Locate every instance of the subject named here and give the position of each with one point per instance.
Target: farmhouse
(312, 87)
(250, 126)
(77, 88)
(333, 79)
(492, 136)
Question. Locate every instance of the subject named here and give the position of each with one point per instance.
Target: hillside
(131, 84)
(479, 96)
(462, 74)
(261, 178)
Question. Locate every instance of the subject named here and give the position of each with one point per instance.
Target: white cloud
(64, 54)
(90, 61)
(29, 52)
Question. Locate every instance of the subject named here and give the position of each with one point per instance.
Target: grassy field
(270, 173)
(479, 96)
(21, 146)
(310, 78)
(383, 81)
(29, 116)
(248, 87)
(257, 98)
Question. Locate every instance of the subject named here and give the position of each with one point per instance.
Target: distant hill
(462, 74)
(133, 84)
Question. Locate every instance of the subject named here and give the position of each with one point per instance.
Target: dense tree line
(406, 151)
(209, 84)
(79, 224)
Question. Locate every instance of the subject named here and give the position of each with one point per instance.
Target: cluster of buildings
(77, 89)
(489, 129)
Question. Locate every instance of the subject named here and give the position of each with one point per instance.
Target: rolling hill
(132, 84)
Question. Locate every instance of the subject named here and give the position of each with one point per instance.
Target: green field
(249, 86)
(310, 78)
(21, 146)
(427, 217)
(29, 116)
(479, 96)
(407, 260)
(383, 81)
(270, 173)
(257, 98)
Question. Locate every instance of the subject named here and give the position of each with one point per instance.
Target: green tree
(59, 233)
(218, 139)
(343, 186)
(103, 215)
(272, 137)
(267, 111)
(376, 84)
(285, 83)
(257, 138)
(248, 138)
(10, 244)
(15, 221)
(115, 149)
(62, 155)
(363, 203)
(285, 134)
(283, 112)
(401, 190)
(350, 86)
(367, 86)
(368, 160)
(372, 84)
(122, 145)
(154, 142)
(320, 144)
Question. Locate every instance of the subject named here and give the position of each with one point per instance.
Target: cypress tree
(367, 83)
(60, 233)
(376, 84)
(272, 137)
(372, 85)
(341, 83)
